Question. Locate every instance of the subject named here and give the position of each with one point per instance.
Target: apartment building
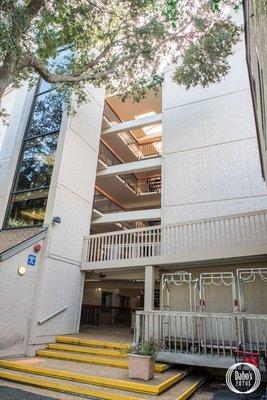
(151, 215)
(255, 24)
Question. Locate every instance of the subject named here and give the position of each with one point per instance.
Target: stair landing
(98, 370)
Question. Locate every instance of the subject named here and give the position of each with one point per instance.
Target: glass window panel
(47, 115)
(44, 86)
(62, 60)
(27, 209)
(37, 162)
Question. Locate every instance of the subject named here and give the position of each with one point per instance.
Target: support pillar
(60, 281)
(149, 287)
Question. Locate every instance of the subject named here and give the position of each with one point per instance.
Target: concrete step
(59, 386)
(92, 343)
(69, 372)
(90, 359)
(180, 391)
(88, 350)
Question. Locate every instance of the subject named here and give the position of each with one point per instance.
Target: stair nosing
(90, 359)
(120, 384)
(62, 387)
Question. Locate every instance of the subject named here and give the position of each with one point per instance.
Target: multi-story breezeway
(151, 214)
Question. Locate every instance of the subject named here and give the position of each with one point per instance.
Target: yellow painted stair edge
(86, 350)
(118, 363)
(92, 343)
(173, 380)
(62, 387)
(191, 390)
(96, 380)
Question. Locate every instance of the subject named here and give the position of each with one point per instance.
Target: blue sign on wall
(31, 260)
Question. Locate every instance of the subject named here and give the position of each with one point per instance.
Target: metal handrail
(50, 316)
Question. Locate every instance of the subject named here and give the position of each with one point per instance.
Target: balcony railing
(146, 150)
(106, 155)
(222, 237)
(141, 151)
(139, 186)
(104, 315)
(104, 205)
(148, 185)
(109, 158)
(207, 339)
(142, 186)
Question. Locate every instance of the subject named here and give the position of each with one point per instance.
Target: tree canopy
(123, 45)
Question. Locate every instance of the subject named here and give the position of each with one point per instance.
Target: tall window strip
(29, 194)
(263, 105)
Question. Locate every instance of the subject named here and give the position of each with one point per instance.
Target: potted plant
(142, 359)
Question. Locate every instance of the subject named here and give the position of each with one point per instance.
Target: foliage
(151, 347)
(214, 48)
(123, 45)
(19, 223)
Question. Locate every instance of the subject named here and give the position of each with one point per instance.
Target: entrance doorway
(113, 299)
(111, 302)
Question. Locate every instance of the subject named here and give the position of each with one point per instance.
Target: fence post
(137, 333)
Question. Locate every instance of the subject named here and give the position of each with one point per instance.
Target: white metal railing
(149, 185)
(145, 150)
(210, 334)
(50, 316)
(229, 236)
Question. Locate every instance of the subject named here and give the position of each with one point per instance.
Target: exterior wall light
(21, 271)
(56, 220)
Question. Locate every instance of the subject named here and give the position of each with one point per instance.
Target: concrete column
(60, 280)
(149, 287)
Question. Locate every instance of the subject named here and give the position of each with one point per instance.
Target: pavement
(8, 393)
(14, 391)
(214, 390)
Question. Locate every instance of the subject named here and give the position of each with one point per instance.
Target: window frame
(13, 190)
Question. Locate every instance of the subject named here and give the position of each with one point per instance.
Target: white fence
(205, 334)
(222, 237)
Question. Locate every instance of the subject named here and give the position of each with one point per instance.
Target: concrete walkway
(106, 333)
(44, 373)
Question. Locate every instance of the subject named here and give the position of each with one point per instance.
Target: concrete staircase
(97, 369)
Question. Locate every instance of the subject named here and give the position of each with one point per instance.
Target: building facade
(144, 213)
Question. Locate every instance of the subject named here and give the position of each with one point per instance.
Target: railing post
(85, 251)
(137, 333)
(149, 287)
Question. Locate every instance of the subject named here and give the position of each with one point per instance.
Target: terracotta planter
(141, 367)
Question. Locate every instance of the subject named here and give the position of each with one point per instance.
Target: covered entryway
(112, 299)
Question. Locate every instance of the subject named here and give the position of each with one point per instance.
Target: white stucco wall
(211, 165)
(60, 281)
(16, 300)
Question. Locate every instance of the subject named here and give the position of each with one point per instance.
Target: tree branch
(84, 74)
(34, 7)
